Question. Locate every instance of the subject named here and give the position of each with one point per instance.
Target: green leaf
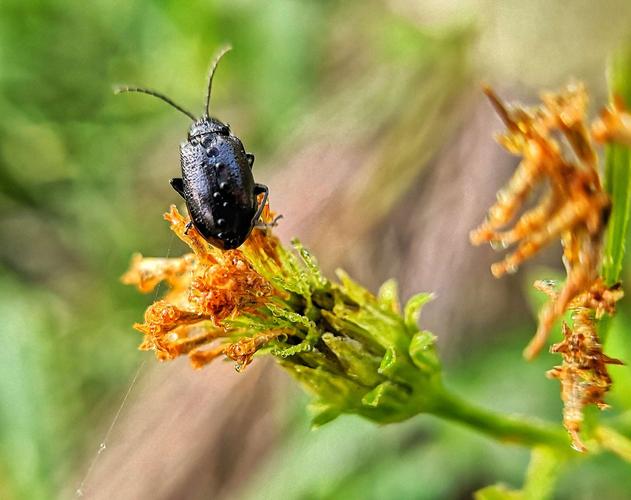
(389, 402)
(388, 296)
(543, 471)
(360, 365)
(354, 290)
(618, 185)
(351, 329)
(618, 175)
(498, 492)
(335, 394)
(544, 468)
(423, 352)
(322, 413)
(396, 366)
(413, 308)
(614, 442)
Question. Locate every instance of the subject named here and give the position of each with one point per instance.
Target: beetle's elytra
(217, 182)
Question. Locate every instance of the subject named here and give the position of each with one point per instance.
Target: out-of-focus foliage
(83, 181)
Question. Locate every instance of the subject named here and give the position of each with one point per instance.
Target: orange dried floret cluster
(614, 124)
(242, 351)
(206, 287)
(558, 153)
(583, 374)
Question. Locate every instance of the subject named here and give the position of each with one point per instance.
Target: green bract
(354, 351)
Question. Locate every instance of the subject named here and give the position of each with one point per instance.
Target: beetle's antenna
(211, 73)
(120, 90)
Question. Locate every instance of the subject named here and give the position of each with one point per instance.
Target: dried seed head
(614, 124)
(558, 152)
(206, 288)
(583, 374)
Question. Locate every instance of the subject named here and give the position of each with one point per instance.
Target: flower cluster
(205, 288)
(558, 153)
(614, 124)
(356, 352)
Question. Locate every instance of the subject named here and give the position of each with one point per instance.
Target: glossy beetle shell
(218, 184)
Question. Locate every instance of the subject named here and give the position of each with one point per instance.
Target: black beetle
(217, 182)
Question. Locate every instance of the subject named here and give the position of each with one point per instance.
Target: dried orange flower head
(560, 164)
(356, 352)
(205, 288)
(614, 124)
(583, 374)
(558, 154)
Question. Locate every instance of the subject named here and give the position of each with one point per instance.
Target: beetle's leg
(258, 189)
(264, 225)
(250, 158)
(178, 184)
(188, 227)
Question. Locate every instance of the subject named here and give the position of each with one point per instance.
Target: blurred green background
(363, 111)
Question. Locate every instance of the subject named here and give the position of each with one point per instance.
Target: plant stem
(543, 471)
(508, 429)
(614, 442)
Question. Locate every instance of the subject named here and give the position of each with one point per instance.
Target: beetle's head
(205, 126)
